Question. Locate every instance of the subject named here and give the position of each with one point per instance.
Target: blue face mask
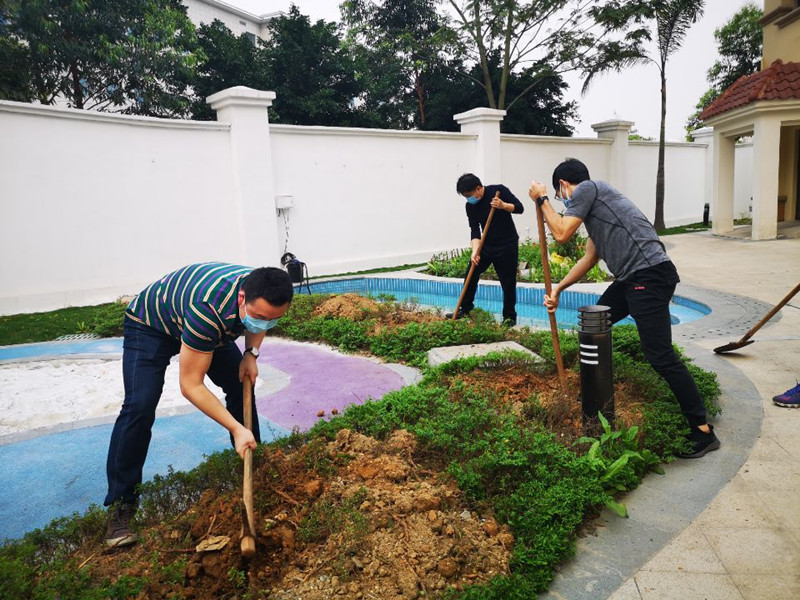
(473, 200)
(257, 325)
(567, 200)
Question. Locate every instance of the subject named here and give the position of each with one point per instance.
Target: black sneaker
(119, 531)
(461, 314)
(702, 443)
(510, 322)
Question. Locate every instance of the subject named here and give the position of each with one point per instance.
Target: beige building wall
(781, 31)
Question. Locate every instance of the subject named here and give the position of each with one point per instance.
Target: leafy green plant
(616, 459)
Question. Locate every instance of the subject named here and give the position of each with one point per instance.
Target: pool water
(445, 294)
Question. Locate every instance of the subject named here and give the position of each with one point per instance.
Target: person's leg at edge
(649, 304)
(224, 372)
(506, 264)
(469, 297)
(145, 357)
(146, 354)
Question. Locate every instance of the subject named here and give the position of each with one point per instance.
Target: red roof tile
(779, 81)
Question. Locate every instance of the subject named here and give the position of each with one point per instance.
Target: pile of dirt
(359, 308)
(353, 518)
(347, 306)
(539, 397)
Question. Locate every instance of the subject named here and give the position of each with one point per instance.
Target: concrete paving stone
(439, 356)
(773, 476)
(627, 591)
(689, 552)
(790, 443)
(738, 506)
(754, 550)
(778, 423)
(686, 586)
(785, 508)
(769, 587)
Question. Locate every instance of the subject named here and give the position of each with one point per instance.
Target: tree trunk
(506, 60)
(420, 97)
(77, 88)
(487, 76)
(659, 220)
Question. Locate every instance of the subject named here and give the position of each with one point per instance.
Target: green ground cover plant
(104, 320)
(455, 263)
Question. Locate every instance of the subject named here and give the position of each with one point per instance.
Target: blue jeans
(145, 356)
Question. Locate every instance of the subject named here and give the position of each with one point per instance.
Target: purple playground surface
(321, 380)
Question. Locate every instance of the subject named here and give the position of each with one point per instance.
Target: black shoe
(119, 531)
(702, 443)
(461, 314)
(510, 322)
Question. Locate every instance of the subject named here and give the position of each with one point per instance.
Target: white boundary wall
(94, 206)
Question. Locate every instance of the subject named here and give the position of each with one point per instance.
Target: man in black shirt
(501, 246)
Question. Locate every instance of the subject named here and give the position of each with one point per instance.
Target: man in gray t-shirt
(645, 277)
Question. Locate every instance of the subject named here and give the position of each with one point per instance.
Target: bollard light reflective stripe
(597, 376)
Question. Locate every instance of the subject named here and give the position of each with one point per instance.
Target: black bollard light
(705, 215)
(597, 375)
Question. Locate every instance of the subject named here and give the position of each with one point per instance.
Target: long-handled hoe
(472, 264)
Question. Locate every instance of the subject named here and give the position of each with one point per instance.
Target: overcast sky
(633, 95)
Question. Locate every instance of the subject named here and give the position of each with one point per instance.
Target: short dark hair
(270, 283)
(467, 182)
(572, 171)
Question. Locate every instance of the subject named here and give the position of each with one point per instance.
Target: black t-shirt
(502, 231)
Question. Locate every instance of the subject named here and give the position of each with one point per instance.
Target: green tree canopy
(739, 46)
(311, 73)
(130, 56)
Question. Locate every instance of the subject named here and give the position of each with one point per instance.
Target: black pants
(645, 296)
(145, 356)
(505, 260)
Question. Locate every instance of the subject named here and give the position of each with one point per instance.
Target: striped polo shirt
(197, 304)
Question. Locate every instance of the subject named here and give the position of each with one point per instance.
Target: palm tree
(673, 18)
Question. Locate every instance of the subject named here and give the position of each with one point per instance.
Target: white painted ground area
(44, 393)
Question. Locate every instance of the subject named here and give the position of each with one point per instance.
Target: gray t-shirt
(623, 236)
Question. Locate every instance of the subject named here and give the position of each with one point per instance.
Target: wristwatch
(252, 350)
(540, 200)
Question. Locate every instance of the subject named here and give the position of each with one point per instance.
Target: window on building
(251, 37)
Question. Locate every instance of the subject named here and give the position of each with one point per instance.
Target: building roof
(779, 81)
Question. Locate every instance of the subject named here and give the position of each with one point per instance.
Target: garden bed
(473, 483)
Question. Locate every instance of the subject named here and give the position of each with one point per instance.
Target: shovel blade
(732, 346)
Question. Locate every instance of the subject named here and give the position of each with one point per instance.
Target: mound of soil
(347, 306)
(353, 518)
(516, 387)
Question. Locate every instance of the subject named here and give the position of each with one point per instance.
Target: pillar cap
(478, 115)
(703, 132)
(613, 125)
(240, 96)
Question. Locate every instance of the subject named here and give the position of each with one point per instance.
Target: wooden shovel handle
(548, 288)
(248, 542)
(770, 314)
(472, 264)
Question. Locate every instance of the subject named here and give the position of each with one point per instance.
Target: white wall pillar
(766, 154)
(251, 154)
(722, 195)
(705, 135)
(617, 131)
(485, 123)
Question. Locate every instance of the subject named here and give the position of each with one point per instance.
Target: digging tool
(248, 542)
(472, 264)
(548, 285)
(746, 339)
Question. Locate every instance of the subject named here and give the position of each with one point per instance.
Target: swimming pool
(445, 294)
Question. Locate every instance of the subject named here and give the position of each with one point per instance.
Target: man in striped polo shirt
(196, 312)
